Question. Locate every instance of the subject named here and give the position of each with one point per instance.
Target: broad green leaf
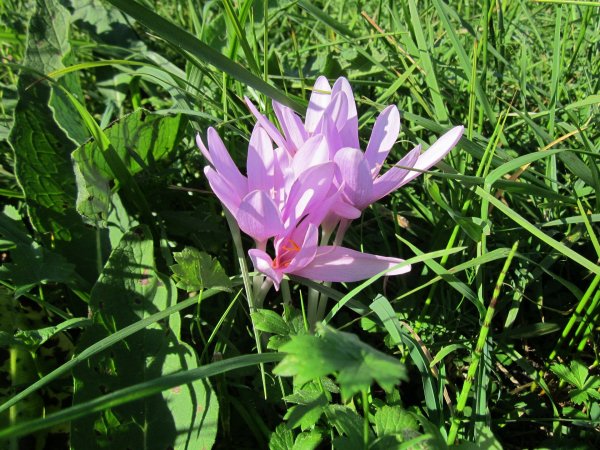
(308, 408)
(140, 139)
(196, 270)
(308, 440)
(282, 438)
(393, 420)
(356, 364)
(348, 424)
(270, 322)
(42, 162)
(31, 264)
(42, 146)
(128, 290)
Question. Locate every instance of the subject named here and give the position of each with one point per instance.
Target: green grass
(499, 342)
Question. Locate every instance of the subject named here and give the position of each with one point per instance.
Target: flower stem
(239, 248)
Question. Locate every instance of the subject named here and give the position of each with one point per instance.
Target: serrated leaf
(270, 322)
(356, 364)
(308, 409)
(347, 422)
(308, 440)
(282, 438)
(139, 139)
(129, 290)
(196, 270)
(393, 420)
(575, 375)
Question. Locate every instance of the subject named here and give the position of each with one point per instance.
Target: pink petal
(307, 236)
(437, 151)
(258, 216)
(263, 263)
(332, 134)
(203, 148)
(397, 176)
(223, 190)
(267, 125)
(260, 163)
(291, 124)
(349, 130)
(307, 192)
(223, 163)
(338, 110)
(314, 151)
(384, 135)
(319, 99)
(356, 175)
(346, 265)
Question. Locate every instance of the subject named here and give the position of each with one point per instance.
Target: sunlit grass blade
(186, 41)
(137, 392)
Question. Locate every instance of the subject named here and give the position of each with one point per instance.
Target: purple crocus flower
(332, 113)
(267, 201)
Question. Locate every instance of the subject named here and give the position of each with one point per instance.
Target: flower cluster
(313, 174)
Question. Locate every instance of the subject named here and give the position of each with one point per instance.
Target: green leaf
(308, 410)
(32, 339)
(393, 420)
(42, 163)
(308, 440)
(196, 270)
(282, 438)
(140, 139)
(356, 364)
(128, 290)
(31, 264)
(348, 424)
(575, 375)
(270, 322)
(186, 41)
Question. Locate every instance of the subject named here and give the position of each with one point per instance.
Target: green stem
(476, 356)
(365, 405)
(237, 241)
(575, 317)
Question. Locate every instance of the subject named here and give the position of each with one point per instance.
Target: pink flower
(316, 175)
(332, 115)
(298, 253)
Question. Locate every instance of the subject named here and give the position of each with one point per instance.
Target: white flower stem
(239, 248)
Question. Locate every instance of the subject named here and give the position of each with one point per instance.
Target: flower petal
(260, 163)
(307, 236)
(203, 148)
(437, 151)
(332, 263)
(314, 151)
(349, 130)
(291, 124)
(223, 163)
(319, 99)
(223, 190)
(307, 193)
(267, 125)
(263, 263)
(356, 176)
(384, 135)
(258, 216)
(397, 176)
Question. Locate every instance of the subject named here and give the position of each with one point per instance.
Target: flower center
(289, 250)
